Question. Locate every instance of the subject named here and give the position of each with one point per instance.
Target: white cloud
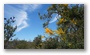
(31, 7)
(21, 20)
(55, 18)
(24, 26)
(20, 14)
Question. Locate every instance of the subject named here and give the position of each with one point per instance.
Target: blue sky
(27, 19)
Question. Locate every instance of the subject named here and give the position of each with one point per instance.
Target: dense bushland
(68, 35)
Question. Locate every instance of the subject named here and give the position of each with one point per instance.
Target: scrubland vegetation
(68, 35)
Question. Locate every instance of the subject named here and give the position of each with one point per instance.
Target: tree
(70, 27)
(38, 42)
(9, 29)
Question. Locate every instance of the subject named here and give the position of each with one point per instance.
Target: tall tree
(70, 26)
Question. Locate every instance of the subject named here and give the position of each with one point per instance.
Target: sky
(28, 22)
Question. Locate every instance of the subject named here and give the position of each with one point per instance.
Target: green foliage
(51, 43)
(71, 22)
(8, 30)
(22, 44)
(68, 35)
(37, 41)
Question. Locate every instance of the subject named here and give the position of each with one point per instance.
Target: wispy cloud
(21, 20)
(31, 7)
(55, 18)
(24, 26)
(20, 13)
